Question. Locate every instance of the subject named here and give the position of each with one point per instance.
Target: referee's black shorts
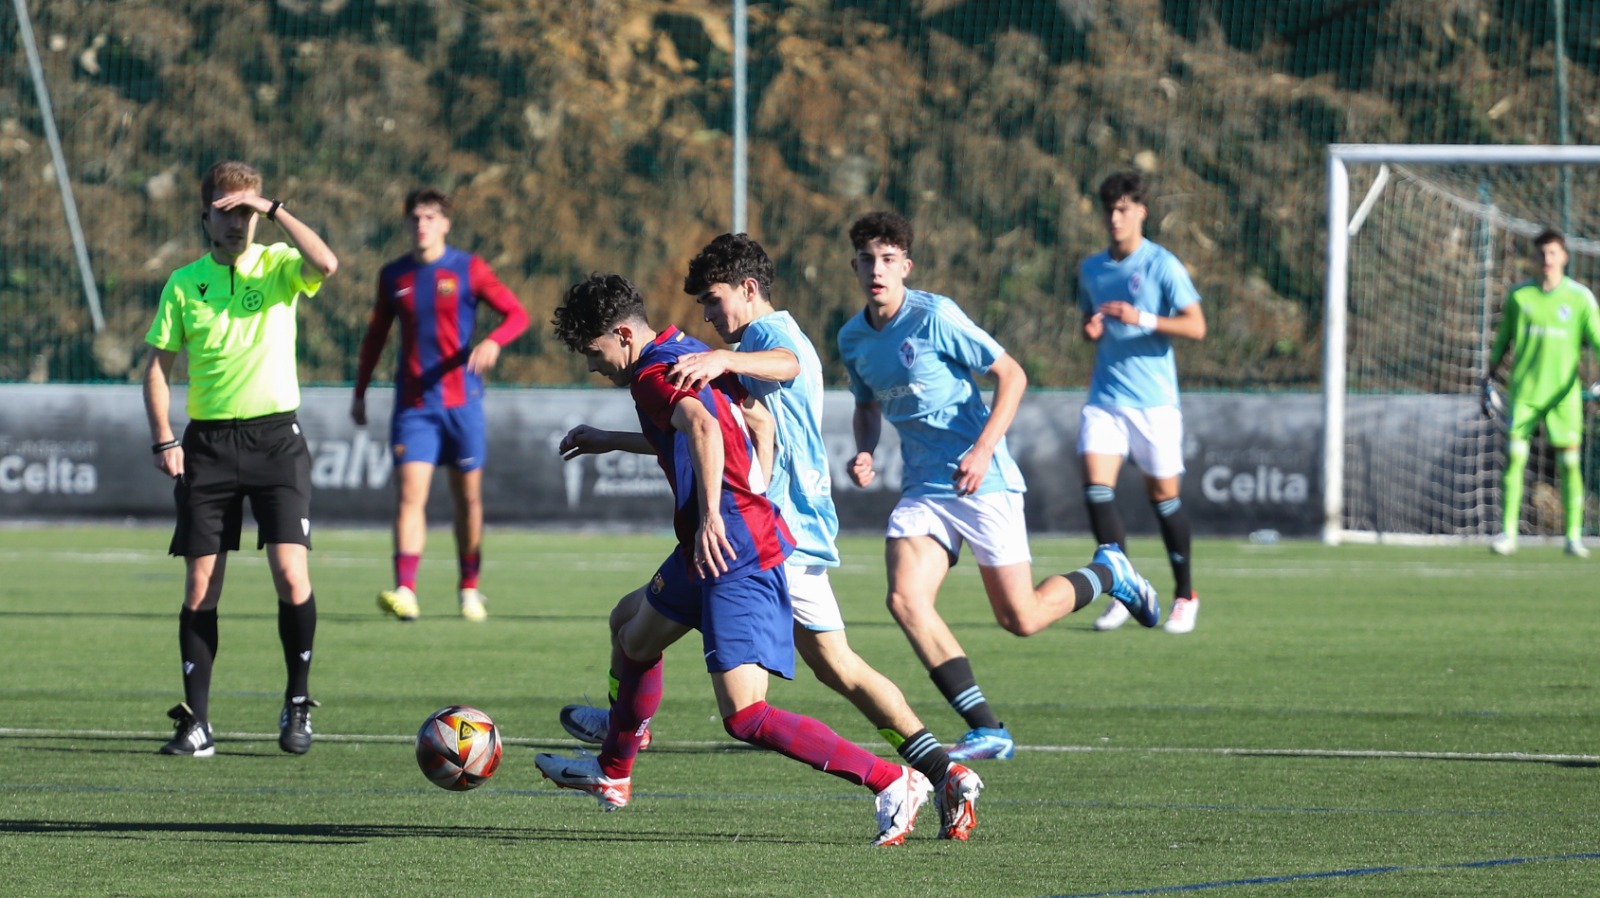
(265, 459)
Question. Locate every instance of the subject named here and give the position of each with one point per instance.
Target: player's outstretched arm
(696, 369)
(586, 440)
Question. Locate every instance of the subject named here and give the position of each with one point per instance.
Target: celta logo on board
(1261, 485)
(48, 467)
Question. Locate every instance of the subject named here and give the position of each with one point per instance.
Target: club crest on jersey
(447, 288)
(908, 353)
(657, 584)
(1563, 312)
(1135, 281)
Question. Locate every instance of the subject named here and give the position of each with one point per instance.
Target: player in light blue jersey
(911, 357)
(1135, 297)
(777, 365)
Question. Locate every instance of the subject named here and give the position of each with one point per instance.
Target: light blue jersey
(801, 485)
(919, 370)
(1134, 368)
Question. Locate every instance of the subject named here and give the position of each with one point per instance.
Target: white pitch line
(1393, 754)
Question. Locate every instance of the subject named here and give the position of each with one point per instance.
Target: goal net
(1424, 244)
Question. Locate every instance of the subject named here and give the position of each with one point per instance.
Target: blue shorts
(440, 436)
(743, 621)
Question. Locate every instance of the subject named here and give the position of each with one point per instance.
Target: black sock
(1104, 521)
(925, 754)
(1175, 533)
(1088, 582)
(960, 688)
(197, 646)
(297, 629)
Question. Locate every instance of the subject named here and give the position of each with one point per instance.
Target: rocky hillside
(594, 134)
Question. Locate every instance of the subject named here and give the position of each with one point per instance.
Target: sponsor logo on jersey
(899, 392)
(252, 301)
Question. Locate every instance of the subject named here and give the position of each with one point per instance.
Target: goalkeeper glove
(1493, 406)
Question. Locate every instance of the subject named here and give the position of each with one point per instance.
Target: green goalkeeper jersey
(1548, 331)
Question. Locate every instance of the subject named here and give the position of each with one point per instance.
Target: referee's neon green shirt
(238, 324)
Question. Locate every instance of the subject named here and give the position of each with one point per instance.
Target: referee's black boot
(294, 725)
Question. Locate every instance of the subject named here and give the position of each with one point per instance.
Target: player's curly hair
(594, 306)
(1117, 185)
(730, 259)
(225, 177)
(887, 227)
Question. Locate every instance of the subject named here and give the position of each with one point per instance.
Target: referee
(233, 310)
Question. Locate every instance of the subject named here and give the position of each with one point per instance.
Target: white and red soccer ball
(458, 748)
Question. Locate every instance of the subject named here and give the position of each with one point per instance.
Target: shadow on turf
(359, 832)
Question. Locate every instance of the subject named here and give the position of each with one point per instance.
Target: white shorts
(992, 522)
(1153, 436)
(811, 594)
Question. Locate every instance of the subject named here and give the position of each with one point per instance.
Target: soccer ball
(458, 748)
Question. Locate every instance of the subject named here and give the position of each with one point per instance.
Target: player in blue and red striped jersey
(726, 578)
(434, 291)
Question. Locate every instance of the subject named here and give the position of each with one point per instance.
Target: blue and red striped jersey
(436, 304)
(760, 538)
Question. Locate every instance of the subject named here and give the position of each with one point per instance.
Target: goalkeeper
(1547, 320)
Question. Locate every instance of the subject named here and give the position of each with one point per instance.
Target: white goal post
(1416, 276)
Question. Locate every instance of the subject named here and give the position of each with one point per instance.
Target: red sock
(469, 569)
(405, 570)
(638, 697)
(812, 742)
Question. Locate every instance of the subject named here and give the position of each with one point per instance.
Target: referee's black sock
(197, 645)
(960, 688)
(297, 629)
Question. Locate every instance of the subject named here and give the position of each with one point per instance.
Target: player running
(1547, 321)
(911, 357)
(732, 279)
(726, 578)
(1135, 297)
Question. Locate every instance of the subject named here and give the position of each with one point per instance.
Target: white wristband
(1147, 321)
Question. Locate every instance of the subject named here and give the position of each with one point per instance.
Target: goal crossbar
(1340, 228)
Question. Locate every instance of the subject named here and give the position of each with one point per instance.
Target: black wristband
(159, 448)
(272, 213)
